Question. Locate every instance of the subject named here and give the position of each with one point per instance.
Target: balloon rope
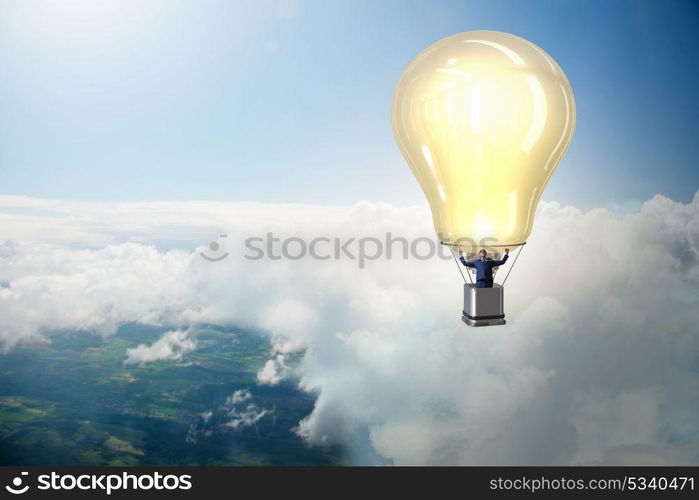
(459, 268)
(513, 264)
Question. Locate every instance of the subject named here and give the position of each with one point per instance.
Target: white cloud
(170, 346)
(237, 412)
(241, 411)
(598, 363)
(274, 371)
(247, 417)
(239, 396)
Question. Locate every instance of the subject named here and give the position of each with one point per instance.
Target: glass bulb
(483, 118)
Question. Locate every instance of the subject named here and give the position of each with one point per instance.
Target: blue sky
(289, 101)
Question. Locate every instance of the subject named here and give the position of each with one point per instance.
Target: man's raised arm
(464, 261)
(504, 259)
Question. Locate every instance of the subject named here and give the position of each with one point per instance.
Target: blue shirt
(484, 267)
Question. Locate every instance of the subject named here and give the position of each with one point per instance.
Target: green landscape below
(73, 401)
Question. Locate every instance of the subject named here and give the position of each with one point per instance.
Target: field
(74, 402)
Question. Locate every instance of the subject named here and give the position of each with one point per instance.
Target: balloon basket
(483, 306)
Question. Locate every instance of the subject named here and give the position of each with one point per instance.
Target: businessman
(484, 267)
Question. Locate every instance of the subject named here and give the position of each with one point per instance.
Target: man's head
(482, 254)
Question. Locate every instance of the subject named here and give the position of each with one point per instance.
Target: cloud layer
(599, 362)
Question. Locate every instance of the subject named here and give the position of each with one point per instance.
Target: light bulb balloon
(483, 118)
